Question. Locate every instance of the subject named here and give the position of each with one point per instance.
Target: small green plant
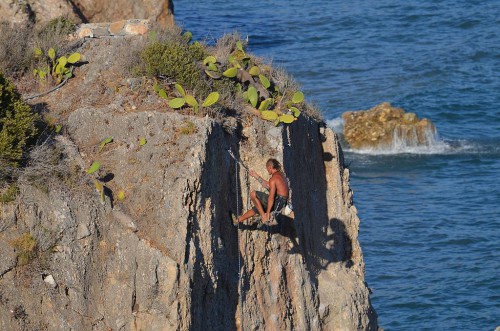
(188, 128)
(142, 141)
(120, 195)
(187, 36)
(59, 68)
(17, 124)
(93, 168)
(104, 143)
(100, 189)
(25, 245)
(185, 98)
(10, 194)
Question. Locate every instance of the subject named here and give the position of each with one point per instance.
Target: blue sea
(430, 217)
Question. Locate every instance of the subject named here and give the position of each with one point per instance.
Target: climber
(265, 203)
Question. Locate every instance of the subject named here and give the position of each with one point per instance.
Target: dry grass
(312, 110)
(188, 128)
(162, 34)
(25, 246)
(225, 46)
(48, 167)
(54, 35)
(17, 44)
(16, 51)
(283, 80)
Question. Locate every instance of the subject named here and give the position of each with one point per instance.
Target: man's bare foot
(234, 219)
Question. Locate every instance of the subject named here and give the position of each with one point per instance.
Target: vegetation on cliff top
(17, 44)
(244, 81)
(17, 124)
(222, 81)
(246, 84)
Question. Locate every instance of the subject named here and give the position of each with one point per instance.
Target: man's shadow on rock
(285, 227)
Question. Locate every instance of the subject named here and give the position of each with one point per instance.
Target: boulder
(160, 11)
(384, 126)
(85, 11)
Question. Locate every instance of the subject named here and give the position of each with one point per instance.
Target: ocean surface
(430, 217)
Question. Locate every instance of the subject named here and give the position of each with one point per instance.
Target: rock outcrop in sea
(383, 126)
(154, 249)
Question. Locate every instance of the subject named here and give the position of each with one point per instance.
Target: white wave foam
(437, 147)
(336, 124)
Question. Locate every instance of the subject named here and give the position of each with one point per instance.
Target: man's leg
(246, 215)
(257, 203)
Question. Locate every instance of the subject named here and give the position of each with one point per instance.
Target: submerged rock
(384, 125)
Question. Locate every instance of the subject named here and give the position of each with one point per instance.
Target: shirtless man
(265, 203)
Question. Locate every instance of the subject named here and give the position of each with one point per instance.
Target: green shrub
(59, 26)
(17, 124)
(10, 193)
(179, 62)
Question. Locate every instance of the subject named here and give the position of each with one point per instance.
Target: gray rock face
(165, 256)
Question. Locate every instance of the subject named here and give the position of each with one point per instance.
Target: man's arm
(272, 194)
(261, 180)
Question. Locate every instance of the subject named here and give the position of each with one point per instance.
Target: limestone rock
(125, 220)
(110, 11)
(384, 125)
(8, 257)
(84, 11)
(50, 281)
(82, 231)
(120, 28)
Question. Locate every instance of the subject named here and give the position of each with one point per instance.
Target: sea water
(430, 216)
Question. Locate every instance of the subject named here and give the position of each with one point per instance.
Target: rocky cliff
(164, 256)
(85, 11)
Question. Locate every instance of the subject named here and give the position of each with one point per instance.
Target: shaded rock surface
(384, 125)
(167, 257)
(85, 11)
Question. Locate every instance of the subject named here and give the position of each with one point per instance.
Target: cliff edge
(159, 251)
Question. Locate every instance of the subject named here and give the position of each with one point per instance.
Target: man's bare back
(278, 180)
